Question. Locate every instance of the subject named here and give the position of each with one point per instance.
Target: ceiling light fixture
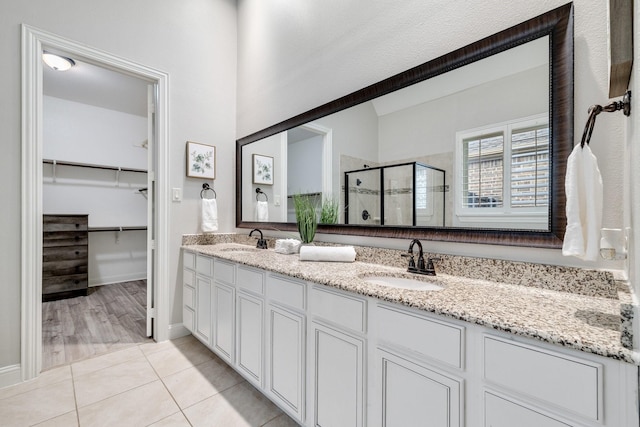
(57, 62)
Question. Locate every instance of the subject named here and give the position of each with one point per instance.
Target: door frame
(33, 40)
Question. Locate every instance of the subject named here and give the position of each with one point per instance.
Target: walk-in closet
(95, 212)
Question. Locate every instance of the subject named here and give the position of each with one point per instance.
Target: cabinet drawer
(417, 333)
(224, 272)
(250, 279)
(340, 309)
(189, 260)
(189, 278)
(287, 292)
(188, 296)
(64, 223)
(559, 380)
(499, 412)
(188, 319)
(204, 265)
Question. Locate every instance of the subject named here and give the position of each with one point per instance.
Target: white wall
(84, 133)
(194, 41)
(293, 56)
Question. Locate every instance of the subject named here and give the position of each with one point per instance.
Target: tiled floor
(176, 383)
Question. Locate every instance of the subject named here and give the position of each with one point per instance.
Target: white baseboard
(119, 278)
(177, 330)
(10, 375)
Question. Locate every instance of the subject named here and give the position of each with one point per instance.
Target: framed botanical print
(262, 169)
(201, 160)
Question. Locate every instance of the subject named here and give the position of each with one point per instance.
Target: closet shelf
(117, 228)
(93, 166)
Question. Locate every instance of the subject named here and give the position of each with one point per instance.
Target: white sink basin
(403, 283)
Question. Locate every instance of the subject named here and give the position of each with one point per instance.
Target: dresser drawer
(286, 291)
(64, 253)
(64, 268)
(224, 272)
(569, 383)
(65, 223)
(64, 238)
(437, 340)
(250, 279)
(343, 310)
(72, 282)
(204, 265)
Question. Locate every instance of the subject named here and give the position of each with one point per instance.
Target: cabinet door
(339, 383)
(413, 395)
(203, 309)
(250, 320)
(499, 412)
(223, 320)
(286, 360)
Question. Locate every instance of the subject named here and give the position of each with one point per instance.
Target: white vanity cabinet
(328, 357)
(286, 344)
(338, 354)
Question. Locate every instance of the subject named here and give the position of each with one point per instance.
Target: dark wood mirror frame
(558, 25)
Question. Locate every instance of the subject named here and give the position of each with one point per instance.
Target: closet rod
(116, 228)
(89, 165)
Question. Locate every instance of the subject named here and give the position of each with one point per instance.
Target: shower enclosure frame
(382, 192)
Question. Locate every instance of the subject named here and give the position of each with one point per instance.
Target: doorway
(95, 200)
(34, 42)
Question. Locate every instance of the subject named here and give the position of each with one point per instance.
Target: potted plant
(306, 217)
(329, 211)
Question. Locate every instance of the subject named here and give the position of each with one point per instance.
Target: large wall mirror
(468, 147)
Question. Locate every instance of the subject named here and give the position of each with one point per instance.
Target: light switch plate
(176, 195)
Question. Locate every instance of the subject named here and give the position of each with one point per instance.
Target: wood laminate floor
(110, 318)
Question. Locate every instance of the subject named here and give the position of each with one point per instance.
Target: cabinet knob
(77, 252)
(77, 225)
(76, 281)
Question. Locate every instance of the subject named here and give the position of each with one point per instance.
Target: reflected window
(503, 171)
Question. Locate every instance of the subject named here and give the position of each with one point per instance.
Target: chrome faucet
(420, 268)
(262, 243)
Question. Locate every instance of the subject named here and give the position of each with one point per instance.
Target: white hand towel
(262, 211)
(583, 187)
(209, 215)
(327, 253)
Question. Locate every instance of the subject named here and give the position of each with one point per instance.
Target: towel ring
(206, 187)
(594, 110)
(259, 192)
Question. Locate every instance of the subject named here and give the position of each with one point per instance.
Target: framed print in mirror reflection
(262, 169)
(201, 160)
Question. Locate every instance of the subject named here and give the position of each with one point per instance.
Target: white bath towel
(583, 187)
(327, 253)
(209, 215)
(262, 211)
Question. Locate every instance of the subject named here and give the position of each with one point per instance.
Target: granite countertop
(583, 322)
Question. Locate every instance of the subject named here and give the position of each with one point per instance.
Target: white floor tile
(239, 406)
(192, 385)
(46, 378)
(172, 360)
(100, 362)
(107, 382)
(70, 419)
(141, 406)
(38, 405)
(175, 420)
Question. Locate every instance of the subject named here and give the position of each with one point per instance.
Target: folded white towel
(327, 253)
(583, 187)
(287, 246)
(262, 211)
(209, 215)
